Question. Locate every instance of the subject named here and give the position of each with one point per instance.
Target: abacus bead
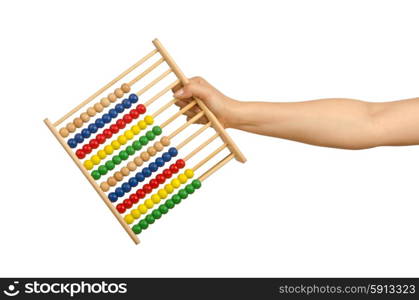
(142, 124)
(169, 188)
(143, 224)
(140, 193)
(173, 168)
(112, 97)
(142, 208)
(123, 155)
(136, 229)
(180, 163)
(149, 120)
(71, 127)
(118, 176)
(125, 171)
(64, 132)
(158, 146)
(133, 182)
(162, 193)
(98, 107)
(105, 102)
(126, 187)
(135, 129)
(119, 192)
(85, 117)
(131, 166)
(166, 157)
(147, 188)
(129, 219)
(189, 173)
(155, 198)
(157, 130)
(140, 177)
(183, 194)
(160, 178)
(133, 98)
(134, 114)
(86, 148)
(150, 219)
(119, 93)
(135, 213)
(159, 161)
(72, 143)
(165, 141)
(113, 197)
(176, 199)
(108, 149)
(85, 133)
(130, 150)
(153, 167)
(125, 88)
(119, 108)
(99, 123)
(111, 181)
(138, 161)
(101, 154)
(136, 145)
(95, 174)
(149, 203)
(145, 156)
(163, 209)
(113, 113)
(156, 214)
(173, 151)
(167, 173)
(127, 203)
(106, 118)
(182, 178)
(189, 189)
(107, 133)
(102, 170)
(91, 111)
(94, 143)
(104, 186)
(152, 151)
(80, 154)
(126, 103)
(121, 208)
(169, 204)
(141, 108)
(134, 198)
(150, 135)
(175, 182)
(154, 183)
(122, 139)
(146, 172)
(79, 138)
(115, 144)
(143, 140)
(116, 160)
(88, 164)
(109, 165)
(78, 122)
(114, 128)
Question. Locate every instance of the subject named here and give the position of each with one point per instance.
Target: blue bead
(92, 128)
(173, 151)
(113, 113)
(146, 172)
(133, 98)
(119, 108)
(85, 133)
(166, 156)
(79, 138)
(126, 103)
(119, 192)
(140, 177)
(153, 167)
(106, 118)
(72, 143)
(133, 182)
(126, 187)
(159, 162)
(99, 123)
(113, 197)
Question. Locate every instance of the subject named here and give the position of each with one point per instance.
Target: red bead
(114, 128)
(100, 138)
(160, 178)
(141, 108)
(140, 193)
(80, 154)
(147, 188)
(94, 143)
(134, 113)
(127, 118)
(174, 169)
(154, 183)
(167, 173)
(87, 149)
(120, 123)
(127, 203)
(121, 208)
(134, 198)
(107, 133)
(180, 163)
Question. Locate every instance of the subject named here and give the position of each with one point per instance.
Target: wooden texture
(216, 167)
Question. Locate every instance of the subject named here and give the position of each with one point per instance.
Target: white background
(291, 210)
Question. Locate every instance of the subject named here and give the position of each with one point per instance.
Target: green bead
(102, 170)
(156, 214)
(176, 199)
(130, 150)
(143, 224)
(137, 228)
(196, 183)
(143, 140)
(183, 194)
(123, 155)
(163, 209)
(157, 130)
(116, 160)
(169, 203)
(189, 189)
(150, 219)
(109, 165)
(136, 145)
(150, 135)
(96, 175)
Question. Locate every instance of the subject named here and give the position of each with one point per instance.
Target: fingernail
(179, 93)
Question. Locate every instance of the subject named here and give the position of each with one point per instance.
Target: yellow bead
(155, 198)
(135, 213)
(182, 178)
(115, 144)
(142, 208)
(95, 159)
(135, 129)
(162, 193)
(149, 203)
(169, 188)
(189, 173)
(129, 134)
(109, 149)
(101, 154)
(129, 219)
(175, 183)
(88, 164)
(122, 139)
(142, 124)
(149, 120)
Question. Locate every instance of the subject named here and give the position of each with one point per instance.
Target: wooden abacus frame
(119, 92)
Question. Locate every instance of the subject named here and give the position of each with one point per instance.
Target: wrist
(232, 113)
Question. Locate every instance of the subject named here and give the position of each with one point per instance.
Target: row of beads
(137, 162)
(164, 208)
(153, 184)
(91, 111)
(157, 197)
(123, 139)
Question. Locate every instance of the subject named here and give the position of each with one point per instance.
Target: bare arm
(339, 123)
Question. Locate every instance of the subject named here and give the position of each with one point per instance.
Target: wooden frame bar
(217, 166)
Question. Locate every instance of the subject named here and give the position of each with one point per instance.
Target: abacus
(95, 129)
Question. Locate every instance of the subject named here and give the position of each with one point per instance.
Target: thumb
(193, 90)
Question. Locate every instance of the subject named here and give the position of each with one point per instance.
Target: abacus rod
(185, 125)
(161, 93)
(200, 147)
(211, 155)
(195, 134)
(102, 195)
(153, 83)
(164, 107)
(177, 114)
(146, 71)
(211, 117)
(217, 166)
(105, 87)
